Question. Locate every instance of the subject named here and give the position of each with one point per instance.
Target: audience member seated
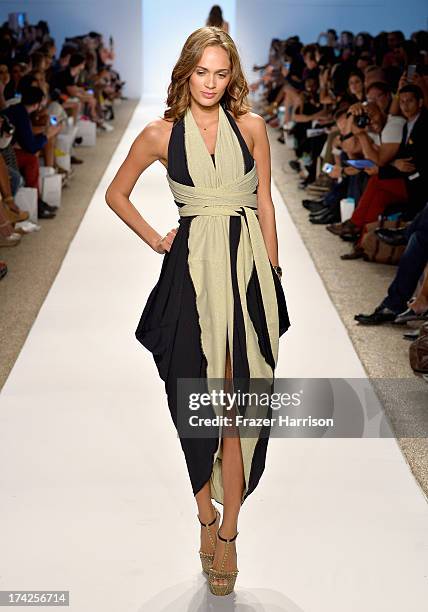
(377, 142)
(410, 268)
(364, 100)
(38, 96)
(27, 144)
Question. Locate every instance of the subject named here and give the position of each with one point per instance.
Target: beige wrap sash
(219, 192)
(226, 190)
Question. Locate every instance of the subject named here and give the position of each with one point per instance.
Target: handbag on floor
(375, 249)
(418, 352)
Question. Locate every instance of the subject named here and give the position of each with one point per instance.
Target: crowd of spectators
(354, 109)
(41, 95)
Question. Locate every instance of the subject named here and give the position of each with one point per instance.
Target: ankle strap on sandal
(212, 522)
(227, 539)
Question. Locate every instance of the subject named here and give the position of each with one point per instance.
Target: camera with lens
(362, 121)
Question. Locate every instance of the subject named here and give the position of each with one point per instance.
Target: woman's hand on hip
(164, 244)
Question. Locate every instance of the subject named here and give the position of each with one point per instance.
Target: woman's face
(211, 75)
(355, 84)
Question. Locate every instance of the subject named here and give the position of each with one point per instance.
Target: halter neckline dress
(208, 295)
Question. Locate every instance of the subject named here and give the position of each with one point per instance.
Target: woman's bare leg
(74, 108)
(233, 486)
(49, 152)
(206, 513)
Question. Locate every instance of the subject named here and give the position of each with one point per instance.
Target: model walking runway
(216, 288)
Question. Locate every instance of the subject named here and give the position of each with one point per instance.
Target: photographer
(378, 149)
(379, 137)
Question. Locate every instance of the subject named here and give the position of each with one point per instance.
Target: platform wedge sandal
(228, 577)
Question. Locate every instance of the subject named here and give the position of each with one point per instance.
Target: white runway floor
(95, 495)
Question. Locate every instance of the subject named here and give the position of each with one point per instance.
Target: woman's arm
(146, 149)
(265, 207)
(303, 118)
(380, 155)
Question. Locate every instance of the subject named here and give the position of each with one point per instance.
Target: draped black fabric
(169, 325)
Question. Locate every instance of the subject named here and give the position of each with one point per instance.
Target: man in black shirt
(65, 80)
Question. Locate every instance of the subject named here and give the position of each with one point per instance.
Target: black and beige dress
(216, 288)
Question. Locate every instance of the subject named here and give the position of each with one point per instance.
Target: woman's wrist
(154, 242)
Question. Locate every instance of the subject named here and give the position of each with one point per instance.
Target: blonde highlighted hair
(235, 96)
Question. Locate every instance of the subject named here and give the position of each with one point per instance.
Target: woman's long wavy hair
(235, 96)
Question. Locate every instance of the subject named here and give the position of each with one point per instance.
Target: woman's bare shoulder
(155, 130)
(254, 120)
(252, 123)
(154, 137)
